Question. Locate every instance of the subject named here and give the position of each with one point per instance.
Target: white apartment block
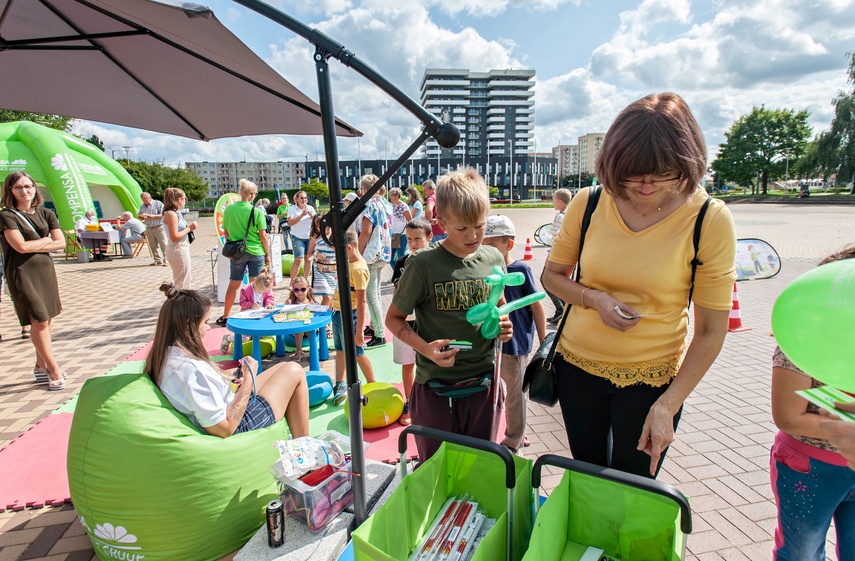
(223, 177)
(589, 149)
(572, 157)
(567, 156)
(494, 111)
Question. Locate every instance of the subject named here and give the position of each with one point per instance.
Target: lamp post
(127, 155)
(511, 175)
(534, 171)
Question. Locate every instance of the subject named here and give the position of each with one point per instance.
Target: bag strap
(26, 220)
(593, 198)
(696, 240)
(248, 222)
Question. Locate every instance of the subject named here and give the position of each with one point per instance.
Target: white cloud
(488, 8)
(723, 61)
(400, 44)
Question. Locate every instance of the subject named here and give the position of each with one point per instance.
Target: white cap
(350, 197)
(499, 225)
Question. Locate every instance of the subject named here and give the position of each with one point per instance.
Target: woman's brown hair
(8, 198)
(656, 134)
(847, 252)
(170, 195)
(177, 326)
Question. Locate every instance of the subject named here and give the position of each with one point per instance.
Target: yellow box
(93, 227)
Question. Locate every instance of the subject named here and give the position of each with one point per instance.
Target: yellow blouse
(651, 271)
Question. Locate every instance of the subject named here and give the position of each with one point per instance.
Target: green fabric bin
(631, 518)
(456, 469)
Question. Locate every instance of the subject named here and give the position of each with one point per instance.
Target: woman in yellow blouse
(622, 382)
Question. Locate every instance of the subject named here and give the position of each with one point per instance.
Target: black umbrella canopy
(165, 67)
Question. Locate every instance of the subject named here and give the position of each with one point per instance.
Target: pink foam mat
(384, 441)
(211, 340)
(32, 467)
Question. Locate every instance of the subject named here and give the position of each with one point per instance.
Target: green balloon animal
(488, 313)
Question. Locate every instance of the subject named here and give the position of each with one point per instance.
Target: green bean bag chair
(147, 484)
(287, 262)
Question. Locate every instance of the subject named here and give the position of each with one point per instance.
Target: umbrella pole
(338, 226)
(339, 219)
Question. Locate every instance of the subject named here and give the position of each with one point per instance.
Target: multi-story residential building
(223, 177)
(567, 156)
(583, 155)
(494, 111)
(589, 149)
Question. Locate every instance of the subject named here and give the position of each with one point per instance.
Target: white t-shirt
(194, 388)
(80, 225)
(302, 228)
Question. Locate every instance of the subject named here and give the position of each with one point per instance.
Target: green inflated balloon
(521, 302)
(813, 321)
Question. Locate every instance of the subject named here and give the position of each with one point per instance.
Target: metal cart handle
(617, 476)
(462, 440)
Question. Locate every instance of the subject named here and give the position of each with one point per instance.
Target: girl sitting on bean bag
(180, 366)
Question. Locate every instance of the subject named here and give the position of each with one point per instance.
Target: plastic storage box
(317, 506)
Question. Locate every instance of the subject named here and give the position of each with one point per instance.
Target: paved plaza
(720, 459)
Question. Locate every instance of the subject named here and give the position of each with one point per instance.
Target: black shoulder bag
(540, 377)
(236, 250)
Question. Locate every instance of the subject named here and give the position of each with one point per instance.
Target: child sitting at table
(258, 293)
(253, 296)
(301, 293)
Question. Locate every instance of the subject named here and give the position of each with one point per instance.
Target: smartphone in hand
(625, 315)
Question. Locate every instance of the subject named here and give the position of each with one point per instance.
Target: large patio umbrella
(175, 69)
(171, 68)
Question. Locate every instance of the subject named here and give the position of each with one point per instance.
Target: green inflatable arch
(67, 170)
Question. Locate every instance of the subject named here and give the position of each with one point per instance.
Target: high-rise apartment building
(494, 111)
(223, 177)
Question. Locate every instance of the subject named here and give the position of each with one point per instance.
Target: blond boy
(454, 389)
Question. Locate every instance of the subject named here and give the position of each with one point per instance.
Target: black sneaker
(368, 332)
(376, 342)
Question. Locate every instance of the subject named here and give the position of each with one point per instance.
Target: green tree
(314, 188)
(836, 147)
(95, 141)
(762, 144)
(576, 180)
(154, 178)
(53, 121)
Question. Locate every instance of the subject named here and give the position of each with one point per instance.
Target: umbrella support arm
(446, 134)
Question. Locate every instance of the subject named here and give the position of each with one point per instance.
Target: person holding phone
(180, 366)
(624, 369)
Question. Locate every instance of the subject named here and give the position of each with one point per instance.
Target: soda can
(275, 523)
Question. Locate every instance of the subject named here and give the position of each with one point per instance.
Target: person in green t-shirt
(235, 219)
(282, 220)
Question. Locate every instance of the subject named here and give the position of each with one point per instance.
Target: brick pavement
(720, 458)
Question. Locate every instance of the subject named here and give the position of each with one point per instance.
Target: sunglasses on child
(299, 289)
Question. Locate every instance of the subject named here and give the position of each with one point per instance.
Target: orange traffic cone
(735, 322)
(528, 255)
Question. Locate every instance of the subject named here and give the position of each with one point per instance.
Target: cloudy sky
(592, 57)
